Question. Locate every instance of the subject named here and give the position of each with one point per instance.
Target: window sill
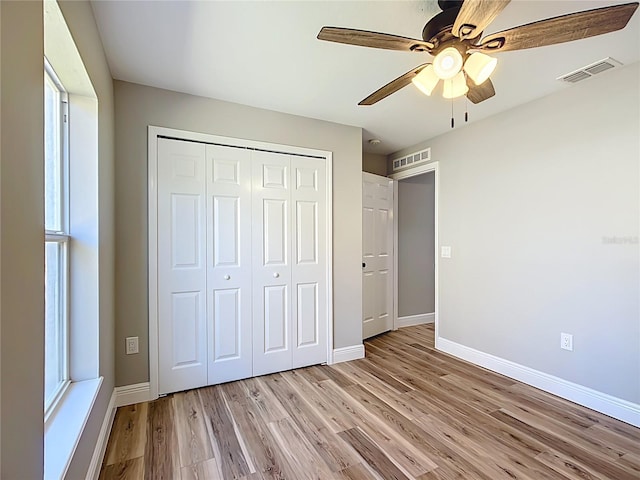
(64, 427)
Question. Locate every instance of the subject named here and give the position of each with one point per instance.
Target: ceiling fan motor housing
(438, 30)
(440, 25)
(447, 4)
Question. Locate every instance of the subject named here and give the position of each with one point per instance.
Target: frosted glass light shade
(426, 80)
(455, 87)
(479, 67)
(447, 63)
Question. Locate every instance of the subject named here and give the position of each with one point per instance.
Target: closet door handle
(276, 275)
(227, 277)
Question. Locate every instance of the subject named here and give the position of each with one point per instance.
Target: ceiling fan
(460, 55)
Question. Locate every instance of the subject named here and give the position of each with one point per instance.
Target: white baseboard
(600, 402)
(101, 444)
(346, 354)
(411, 320)
(121, 396)
(130, 394)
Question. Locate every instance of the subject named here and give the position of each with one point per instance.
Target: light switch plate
(445, 252)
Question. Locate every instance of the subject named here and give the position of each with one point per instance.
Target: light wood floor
(406, 411)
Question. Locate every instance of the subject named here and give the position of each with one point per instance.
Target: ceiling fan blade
(475, 16)
(372, 39)
(392, 86)
(480, 93)
(565, 28)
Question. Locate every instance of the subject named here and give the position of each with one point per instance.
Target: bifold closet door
(229, 263)
(271, 263)
(289, 261)
(182, 329)
(309, 261)
(242, 257)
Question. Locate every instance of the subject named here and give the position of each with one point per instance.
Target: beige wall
(0, 245)
(374, 163)
(137, 107)
(530, 201)
(22, 254)
(79, 18)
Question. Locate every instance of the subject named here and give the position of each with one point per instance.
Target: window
(74, 301)
(56, 219)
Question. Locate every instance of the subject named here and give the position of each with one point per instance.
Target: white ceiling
(265, 54)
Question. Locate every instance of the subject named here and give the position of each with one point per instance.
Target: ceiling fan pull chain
(466, 110)
(453, 123)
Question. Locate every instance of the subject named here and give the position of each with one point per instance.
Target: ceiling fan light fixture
(455, 87)
(447, 63)
(479, 67)
(426, 80)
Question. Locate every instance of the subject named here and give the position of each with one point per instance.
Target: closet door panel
(229, 286)
(275, 235)
(181, 266)
(271, 263)
(309, 278)
(307, 320)
(226, 325)
(275, 318)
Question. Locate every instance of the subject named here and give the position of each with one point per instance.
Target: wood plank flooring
(406, 411)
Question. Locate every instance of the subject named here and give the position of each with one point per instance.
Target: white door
(309, 261)
(377, 254)
(182, 329)
(271, 263)
(289, 262)
(228, 188)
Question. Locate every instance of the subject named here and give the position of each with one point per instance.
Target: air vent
(590, 70)
(576, 77)
(412, 159)
(599, 67)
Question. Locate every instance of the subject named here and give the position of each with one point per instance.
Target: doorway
(415, 246)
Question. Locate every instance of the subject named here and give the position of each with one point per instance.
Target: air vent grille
(599, 67)
(412, 159)
(576, 77)
(590, 70)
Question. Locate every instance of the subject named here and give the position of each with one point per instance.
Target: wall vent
(412, 159)
(590, 70)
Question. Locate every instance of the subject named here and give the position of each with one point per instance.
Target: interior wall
(374, 163)
(81, 23)
(139, 106)
(0, 245)
(22, 254)
(541, 207)
(416, 244)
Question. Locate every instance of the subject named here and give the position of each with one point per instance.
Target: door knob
(227, 277)
(276, 275)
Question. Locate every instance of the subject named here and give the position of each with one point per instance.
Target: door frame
(152, 224)
(408, 173)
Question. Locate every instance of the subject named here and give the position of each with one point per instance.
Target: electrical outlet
(566, 341)
(445, 252)
(131, 345)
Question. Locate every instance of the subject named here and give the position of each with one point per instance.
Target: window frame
(61, 237)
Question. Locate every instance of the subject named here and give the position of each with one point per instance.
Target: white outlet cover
(445, 252)
(566, 341)
(131, 344)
